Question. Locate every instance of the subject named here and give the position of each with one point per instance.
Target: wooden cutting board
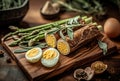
(37, 72)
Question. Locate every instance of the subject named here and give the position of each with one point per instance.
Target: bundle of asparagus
(35, 34)
(61, 33)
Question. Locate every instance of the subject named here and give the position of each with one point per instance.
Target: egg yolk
(62, 47)
(50, 39)
(33, 52)
(49, 54)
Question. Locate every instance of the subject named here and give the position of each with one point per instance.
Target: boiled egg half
(33, 55)
(50, 57)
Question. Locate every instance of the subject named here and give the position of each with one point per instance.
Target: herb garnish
(103, 46)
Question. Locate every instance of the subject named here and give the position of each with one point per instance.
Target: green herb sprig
(83, 6)
(68, 27)
(103, 46)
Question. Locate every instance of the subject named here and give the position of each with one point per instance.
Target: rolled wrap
(81, 37)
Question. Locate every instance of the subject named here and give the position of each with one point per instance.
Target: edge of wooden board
(66, 67)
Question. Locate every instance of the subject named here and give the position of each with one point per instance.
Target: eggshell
(112, 28)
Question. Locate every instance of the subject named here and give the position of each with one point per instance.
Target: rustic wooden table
(11, 72)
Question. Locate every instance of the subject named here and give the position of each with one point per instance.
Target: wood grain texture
(37, 72)
(34, 18)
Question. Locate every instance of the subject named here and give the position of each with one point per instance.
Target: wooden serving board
(37, 72)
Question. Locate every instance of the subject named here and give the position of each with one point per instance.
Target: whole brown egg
(112, 28)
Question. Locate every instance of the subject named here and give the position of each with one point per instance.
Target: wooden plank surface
(33, 18)
(37, 72)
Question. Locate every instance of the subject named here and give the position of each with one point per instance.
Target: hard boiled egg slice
(50, 57)
(33, 55)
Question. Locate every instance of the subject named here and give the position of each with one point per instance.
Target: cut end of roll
(50, 40)
(63, 47)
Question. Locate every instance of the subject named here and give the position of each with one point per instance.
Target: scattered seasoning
(1, 53)
(8, 59)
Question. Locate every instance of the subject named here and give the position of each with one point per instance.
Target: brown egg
(112, 28)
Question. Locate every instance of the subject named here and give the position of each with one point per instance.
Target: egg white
(50, 62)
(35, 58)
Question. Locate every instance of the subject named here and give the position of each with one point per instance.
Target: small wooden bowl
(13, 15)
(50, 16)
(99, 67)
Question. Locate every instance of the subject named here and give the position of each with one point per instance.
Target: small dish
(99, 67)
(49, 11)
(13, 15)
(50, 16)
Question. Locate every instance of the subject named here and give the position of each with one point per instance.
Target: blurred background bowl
(13, 15)
(50, 16)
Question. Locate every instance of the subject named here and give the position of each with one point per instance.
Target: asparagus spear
(40, 32)
(36, 39)
(37, 33)
(45, 26)
(22, 38)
